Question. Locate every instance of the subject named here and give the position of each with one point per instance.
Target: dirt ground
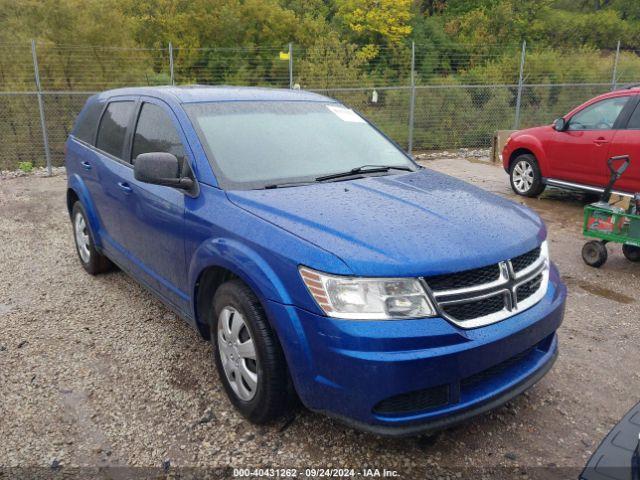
(97, 373)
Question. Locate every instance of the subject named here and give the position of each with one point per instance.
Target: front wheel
(594, 254)
(631, 252)
(525, 176)
(248, 356)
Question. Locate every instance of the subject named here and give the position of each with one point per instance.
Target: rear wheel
(525, 176)
(631, 252)
(92, 261)
(248, 356)
(594, 254)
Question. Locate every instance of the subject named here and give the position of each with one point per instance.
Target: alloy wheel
(523, 176)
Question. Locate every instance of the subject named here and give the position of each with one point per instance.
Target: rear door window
(113, 127)
(155, 132)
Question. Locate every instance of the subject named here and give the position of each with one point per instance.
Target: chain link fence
(423, 97)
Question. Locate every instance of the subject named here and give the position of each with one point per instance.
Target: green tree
(629, 9)
(331, 62)
(376, 22)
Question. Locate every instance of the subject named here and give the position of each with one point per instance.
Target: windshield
(256, 144)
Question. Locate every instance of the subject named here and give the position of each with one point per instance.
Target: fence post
(412, 98)
(290, 65)
(614, 79)
(43, 123)
(171, 63)
(516, 123)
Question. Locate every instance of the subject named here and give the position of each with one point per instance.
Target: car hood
(532, 131)
(421, 223)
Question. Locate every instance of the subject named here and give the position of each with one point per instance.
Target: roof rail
(629, 86)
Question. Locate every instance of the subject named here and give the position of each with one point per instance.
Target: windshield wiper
(364, 169)
(353, 171)
(288, 184)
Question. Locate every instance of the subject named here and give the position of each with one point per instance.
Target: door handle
(124, 186)
(600, 141)
(86, 165)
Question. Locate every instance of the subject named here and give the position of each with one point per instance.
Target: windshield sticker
(346, 114)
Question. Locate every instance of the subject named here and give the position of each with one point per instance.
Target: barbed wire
(461, 93)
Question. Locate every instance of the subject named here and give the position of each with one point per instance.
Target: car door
(82, 158)
(579, 153)
(111, 171)
(627, 142)
(152, 216)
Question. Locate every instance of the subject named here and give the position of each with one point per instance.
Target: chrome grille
(527, 289)
(478, 297)
(467, 278)
(470, 310)
(523, 261)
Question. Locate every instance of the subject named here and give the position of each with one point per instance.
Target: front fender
(79, 187)
(244, 262)
(530, 143)
(259, 275)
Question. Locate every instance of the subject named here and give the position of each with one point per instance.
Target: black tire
(631, 252)
(96, 262)
(594, 254)
(527, 188)
(274, 394)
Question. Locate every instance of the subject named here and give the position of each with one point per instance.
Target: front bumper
(436, 424)
(347, 369)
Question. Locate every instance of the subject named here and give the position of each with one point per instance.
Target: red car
(572, 152)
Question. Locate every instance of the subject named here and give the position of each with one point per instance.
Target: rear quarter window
(113, 127)
(87, 121)
(634, 121)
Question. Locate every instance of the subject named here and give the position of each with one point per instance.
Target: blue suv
(317, 257)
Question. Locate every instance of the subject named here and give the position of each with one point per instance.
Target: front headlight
(367, 298)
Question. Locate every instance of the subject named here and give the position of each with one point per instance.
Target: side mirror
(160, 168)
(560, 124)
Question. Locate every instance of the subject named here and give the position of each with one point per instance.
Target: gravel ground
(96, 373)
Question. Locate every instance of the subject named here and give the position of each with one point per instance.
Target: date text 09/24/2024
(314, 473)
